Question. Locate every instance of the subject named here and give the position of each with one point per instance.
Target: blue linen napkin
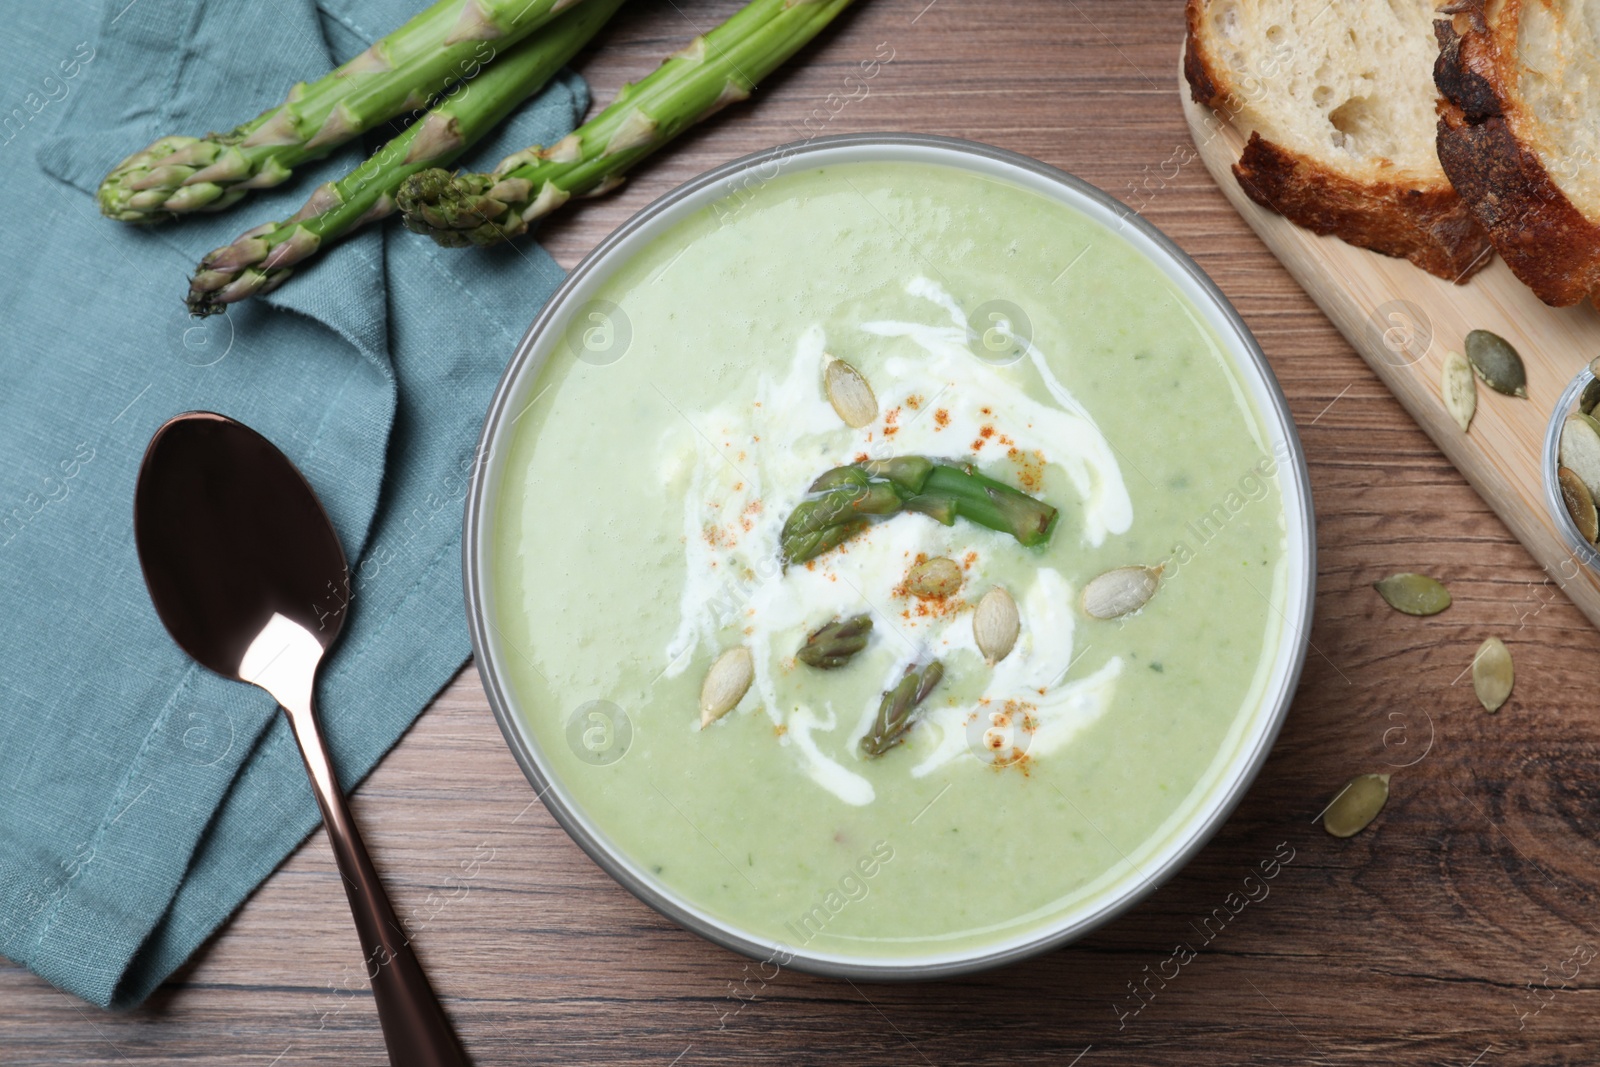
(141, 797)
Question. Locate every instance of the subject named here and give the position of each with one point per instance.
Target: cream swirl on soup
(749, 461)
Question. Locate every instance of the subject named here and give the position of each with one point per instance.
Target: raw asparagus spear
(261, 259)
(717, 69)
(894, 713)
(448, 42)
(844, 499)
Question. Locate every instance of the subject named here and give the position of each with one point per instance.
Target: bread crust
(1544, 238)
(1430, 226)
(1204, 85)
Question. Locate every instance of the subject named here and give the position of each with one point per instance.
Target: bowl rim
(1227, 792)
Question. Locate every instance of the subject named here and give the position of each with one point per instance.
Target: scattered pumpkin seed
(1580, 449)
(995, 625)
(934, 578)
(1497, 363)
(848, 392)
(1357, 804)
(1414, 594)
(1590, 397)
(1594, 366)
(726, 684)
(1118, 592)
(1492, 674)
(1580, 504)
(1459, 389)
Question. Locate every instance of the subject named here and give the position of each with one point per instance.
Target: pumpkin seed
(1580, 449)
(1497, 363)
(1580, 504)
(1357, 804)
(848, 392)
(1590, 397)
(726, 684)
(1492, 674)
(1414, 594)
(934, 578)
(1118, 592)
(1459, 389)
(995, 625)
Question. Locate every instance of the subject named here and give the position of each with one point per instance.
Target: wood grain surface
(1459, 929)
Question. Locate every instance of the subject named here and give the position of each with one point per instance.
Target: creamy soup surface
(658, 453)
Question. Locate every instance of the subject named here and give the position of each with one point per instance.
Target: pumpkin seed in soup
(1497, 363)
(1357, 804)
(848, 392)
(1120, 591)
(1414, 594)
(995, 625)
(726, 683)
(937, 577)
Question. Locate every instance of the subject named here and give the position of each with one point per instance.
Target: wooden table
(1455, 931)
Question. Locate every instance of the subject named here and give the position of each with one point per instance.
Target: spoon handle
(415, 1028)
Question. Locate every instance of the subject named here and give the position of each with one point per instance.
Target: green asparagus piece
(834, 644)
(449, 42)
(990, 503)
(837, 504)
(843, 500)
(262, 259)
(717, 69)
(908, 472)
(894, 713)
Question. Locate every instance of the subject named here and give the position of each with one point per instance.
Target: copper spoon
(249, 578)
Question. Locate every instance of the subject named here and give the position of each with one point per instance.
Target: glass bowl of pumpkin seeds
(1572, 465)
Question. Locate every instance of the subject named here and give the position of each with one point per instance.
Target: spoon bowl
(229, 535)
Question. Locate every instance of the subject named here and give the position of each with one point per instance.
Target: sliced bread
(1341, 111)
(1520, 135)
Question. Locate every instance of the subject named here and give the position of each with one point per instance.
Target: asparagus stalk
(987, 502)
(834, 644)
(894, 713)
(843, 500)
(261, 259)
(717, 69)
(448, 42)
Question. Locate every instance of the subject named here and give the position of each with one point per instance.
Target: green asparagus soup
(646, 531)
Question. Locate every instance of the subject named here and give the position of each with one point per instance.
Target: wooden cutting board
(1403, 321)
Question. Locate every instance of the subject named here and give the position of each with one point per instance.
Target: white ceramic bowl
(551, 326)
